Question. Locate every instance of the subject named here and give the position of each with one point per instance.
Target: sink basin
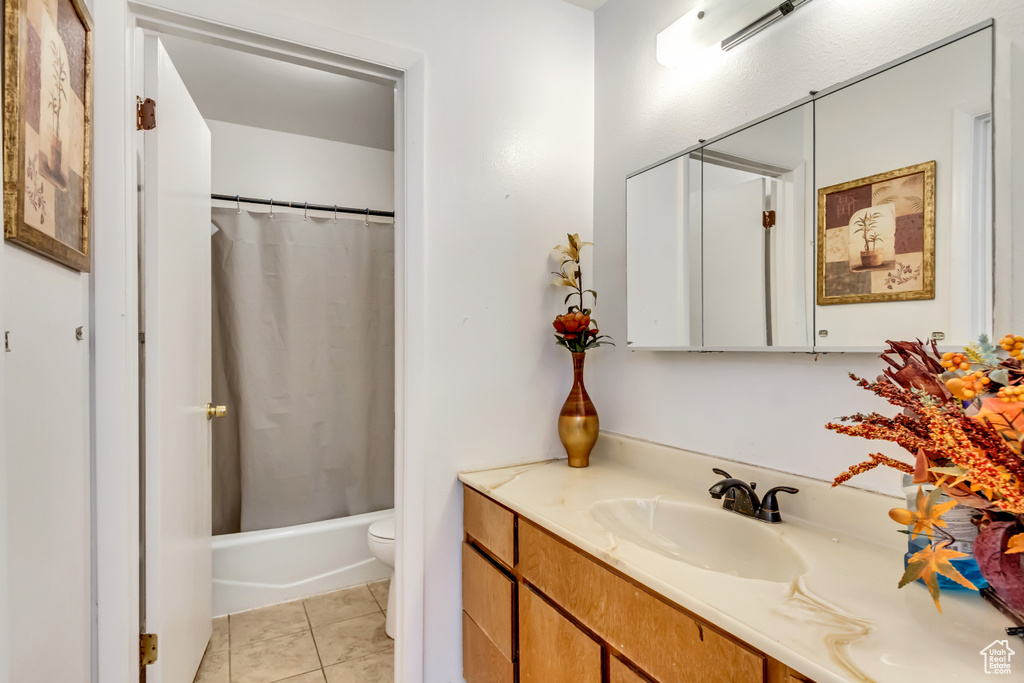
(710, 538)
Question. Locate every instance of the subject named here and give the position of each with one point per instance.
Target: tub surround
(256, 569)
(843, 619)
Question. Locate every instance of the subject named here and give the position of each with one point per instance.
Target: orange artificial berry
(955, 361)
(1014, 345)
(901, 515)
(1012, 394)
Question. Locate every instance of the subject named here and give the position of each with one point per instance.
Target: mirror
(663, 256)
(756, 249)
(937, 107)
(823, 226)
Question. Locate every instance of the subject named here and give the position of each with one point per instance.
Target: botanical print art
(876, 238)
(53, 44)
(47, 100)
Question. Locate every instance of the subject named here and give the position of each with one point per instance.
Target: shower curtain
(303, 357)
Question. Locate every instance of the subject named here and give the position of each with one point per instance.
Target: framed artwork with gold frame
(876, 238)
(47, 128)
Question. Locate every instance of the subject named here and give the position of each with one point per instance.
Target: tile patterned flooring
(332, 638)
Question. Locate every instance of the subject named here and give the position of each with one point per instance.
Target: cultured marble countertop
(843, 620)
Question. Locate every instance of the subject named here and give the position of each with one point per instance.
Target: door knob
(213, 411)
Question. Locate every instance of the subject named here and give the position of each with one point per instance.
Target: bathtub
(260, 568)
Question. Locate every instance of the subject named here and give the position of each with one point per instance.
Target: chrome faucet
(741, 498)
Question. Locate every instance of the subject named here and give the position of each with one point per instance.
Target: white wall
(644, 112)
(45, 469)
(47, 478)
(507, 170)
(256, 162)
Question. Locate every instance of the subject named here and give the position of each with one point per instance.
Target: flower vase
(578, 423)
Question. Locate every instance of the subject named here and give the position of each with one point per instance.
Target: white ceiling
(237, 87)
(587, 4)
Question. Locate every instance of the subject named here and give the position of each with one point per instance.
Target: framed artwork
(876, 238)
(47, 127)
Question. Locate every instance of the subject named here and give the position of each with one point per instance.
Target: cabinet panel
(620, 673)
(481, 660)
(487, 598)
(660, 639)
(490, 525)
(552, 648)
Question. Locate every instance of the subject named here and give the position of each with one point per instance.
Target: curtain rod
(302, 205)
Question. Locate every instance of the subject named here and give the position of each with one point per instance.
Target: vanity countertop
(843, 620)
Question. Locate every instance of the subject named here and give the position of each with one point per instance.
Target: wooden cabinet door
(490, 525)
(620, 673)
(660, 639)
(481, 660)
(552, 648)
(487, 599)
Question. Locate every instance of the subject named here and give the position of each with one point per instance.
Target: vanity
(628, 572)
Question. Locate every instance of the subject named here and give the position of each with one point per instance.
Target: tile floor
(332, 638)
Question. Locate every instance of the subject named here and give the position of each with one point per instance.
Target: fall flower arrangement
(575, 329)
(962, 422)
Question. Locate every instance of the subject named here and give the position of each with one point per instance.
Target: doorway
(312, 212)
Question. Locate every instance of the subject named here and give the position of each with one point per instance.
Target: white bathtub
(260, 568)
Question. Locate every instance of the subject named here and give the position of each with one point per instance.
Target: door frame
(114, 304)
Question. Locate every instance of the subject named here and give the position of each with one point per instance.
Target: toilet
(381, 539)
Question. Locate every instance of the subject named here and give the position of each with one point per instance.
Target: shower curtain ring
(238, 204)
(271, 208)
(335, 213)
(367, 219)
(305, 212)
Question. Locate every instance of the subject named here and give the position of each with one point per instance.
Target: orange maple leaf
(928, 514)
(930, 562)
(1015, 544)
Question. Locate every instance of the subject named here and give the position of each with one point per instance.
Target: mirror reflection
(663, 256)
(914, 142)
(756, 187)
(845, 220)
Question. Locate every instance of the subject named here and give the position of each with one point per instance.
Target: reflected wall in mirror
(703, 273)
(756, 248)
(935, 107)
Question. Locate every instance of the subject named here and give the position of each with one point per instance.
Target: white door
(734, 284)
(176, 285)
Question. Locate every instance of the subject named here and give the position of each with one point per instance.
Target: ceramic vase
(578, 423)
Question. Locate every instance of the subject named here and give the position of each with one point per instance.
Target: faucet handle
(769, 511)
(721, 473)
(782, 489)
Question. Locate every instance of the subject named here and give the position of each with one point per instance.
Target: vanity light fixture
(762, 23)
(690, 36)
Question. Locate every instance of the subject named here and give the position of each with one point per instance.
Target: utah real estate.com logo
(997, 657)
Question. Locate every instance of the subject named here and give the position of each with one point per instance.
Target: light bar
(762, 23)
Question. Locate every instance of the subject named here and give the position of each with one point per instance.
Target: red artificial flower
(571, 325)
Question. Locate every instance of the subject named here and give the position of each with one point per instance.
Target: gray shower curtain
(303, 357)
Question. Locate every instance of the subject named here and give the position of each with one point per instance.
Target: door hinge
(145, 113)
(142, 337)
(768, 219)
(147, 649)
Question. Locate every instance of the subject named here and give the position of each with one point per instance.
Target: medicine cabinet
(753, 240)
